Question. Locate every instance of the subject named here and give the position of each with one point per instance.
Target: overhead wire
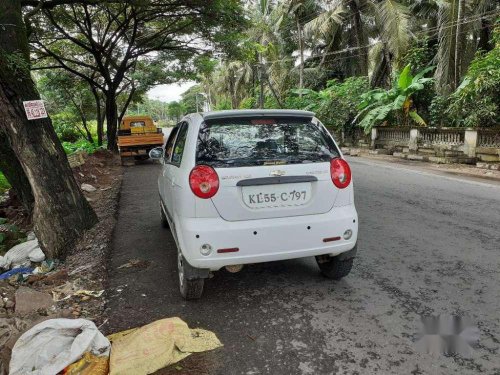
(422, 32)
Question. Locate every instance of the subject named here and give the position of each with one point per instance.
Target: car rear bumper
(266, 240)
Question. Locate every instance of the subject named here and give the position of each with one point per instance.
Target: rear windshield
(263, 141)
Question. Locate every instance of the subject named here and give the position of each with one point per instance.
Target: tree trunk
(459, 42)
(60, 213)
(87, 130)
(360, 39)
(261, 87)
(99, 115)
(81, 113)
(301, 51)
(111, 119)
(127, 104)
(485, 35)
(14, 173)
(273, 91)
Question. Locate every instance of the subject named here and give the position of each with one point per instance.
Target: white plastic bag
(51, 346)
(20, 255)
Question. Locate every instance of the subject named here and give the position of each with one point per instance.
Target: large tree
(60, 211)
(112, 40)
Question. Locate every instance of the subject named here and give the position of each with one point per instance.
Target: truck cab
(137, 136)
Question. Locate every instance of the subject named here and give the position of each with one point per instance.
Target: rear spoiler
(257, 113)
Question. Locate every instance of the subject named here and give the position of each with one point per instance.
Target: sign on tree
(35, 109)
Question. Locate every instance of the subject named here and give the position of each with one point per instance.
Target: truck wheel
(190, 287)
(333, 267)
(164, 221)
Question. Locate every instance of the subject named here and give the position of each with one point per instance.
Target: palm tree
(326, 27)
(299, 9)
(460, 26)
(385, 21)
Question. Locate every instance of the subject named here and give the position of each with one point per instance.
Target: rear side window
(263, 141)
(169, 147)
(179, 144)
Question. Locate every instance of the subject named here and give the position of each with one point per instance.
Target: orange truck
(136, 137)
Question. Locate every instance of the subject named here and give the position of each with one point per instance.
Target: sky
(169, 93)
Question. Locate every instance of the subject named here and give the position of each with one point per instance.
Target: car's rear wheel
(164, 221)
(334, 267)
(190, 287)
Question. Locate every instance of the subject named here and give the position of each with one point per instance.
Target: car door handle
(172, 182)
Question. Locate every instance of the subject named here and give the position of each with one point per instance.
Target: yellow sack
(157, 345)
(89, 365)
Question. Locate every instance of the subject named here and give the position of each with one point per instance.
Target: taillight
(204, 181)
(340, 173)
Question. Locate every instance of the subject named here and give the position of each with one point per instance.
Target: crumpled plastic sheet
(15, 271)
(51, 346)
(22, 255)
(154, 346)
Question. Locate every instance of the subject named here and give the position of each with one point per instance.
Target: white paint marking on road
(492, 184)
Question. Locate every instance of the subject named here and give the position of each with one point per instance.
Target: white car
(250, 186)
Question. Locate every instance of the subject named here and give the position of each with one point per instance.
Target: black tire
(190, 288)
(164, 221)
(334, 268)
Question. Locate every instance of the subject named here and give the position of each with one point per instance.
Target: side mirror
(156, 153)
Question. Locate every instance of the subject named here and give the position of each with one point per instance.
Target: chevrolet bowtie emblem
(277, 173)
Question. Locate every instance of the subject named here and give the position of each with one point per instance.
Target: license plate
(282, 195)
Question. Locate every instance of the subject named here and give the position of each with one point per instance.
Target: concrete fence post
(413, 144)
(374, 138)
(470, 142)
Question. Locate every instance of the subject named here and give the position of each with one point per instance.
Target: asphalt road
(429, 244)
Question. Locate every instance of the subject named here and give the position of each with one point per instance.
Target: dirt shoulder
(87, 261)
(70, 288)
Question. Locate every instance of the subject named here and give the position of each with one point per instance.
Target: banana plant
(378, 105)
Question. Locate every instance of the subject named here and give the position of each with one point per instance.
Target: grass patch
(81, 145)
(4, 184)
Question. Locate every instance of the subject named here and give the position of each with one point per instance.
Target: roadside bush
(336, 105)
(394, 106)
(223, 104)
(476, 103)
(81, 145)
(65, 127)
(438, 114)
(247, 103)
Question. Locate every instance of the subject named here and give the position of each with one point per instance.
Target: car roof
(256, 113)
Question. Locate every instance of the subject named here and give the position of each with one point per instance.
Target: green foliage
(65, 127)
(222, 104)
(193, 99)
(4, 185)
(81, 145)
(336, 105)
(438, 114)
(379, 106)
(16, 62)
(476, 103)
(248, 103)
(420, 54)
(176, 110)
